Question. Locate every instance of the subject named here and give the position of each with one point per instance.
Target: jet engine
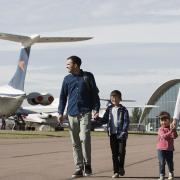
(36, 98)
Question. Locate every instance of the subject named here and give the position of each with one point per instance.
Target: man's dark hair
(116, 93)
(75, 60)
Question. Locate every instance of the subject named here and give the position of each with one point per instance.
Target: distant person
(80, 91)
(3, 122)
(21, 122)
(117, 119)
(165, 145)
(176, 116)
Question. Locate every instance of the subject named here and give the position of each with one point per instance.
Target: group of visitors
(80, 93)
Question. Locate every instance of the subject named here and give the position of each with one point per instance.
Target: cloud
(34, 16)
(136, 85)
(131, 25)
(133, 77)
(174, 12)
(105, 9)
(131, 33)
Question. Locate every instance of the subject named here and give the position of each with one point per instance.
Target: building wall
(165, 100)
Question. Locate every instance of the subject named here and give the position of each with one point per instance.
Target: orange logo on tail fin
(21, 64)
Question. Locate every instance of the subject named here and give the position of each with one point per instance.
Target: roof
(158, 93)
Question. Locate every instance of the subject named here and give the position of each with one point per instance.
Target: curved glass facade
(166, 102)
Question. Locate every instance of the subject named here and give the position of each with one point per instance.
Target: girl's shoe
(171, 176)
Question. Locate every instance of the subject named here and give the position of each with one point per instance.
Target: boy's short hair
(164, 114)
(75, 60)
(116, 93)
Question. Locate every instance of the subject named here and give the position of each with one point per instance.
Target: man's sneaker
(116, 175)
(121, 172)
(87, 170)
(78, 173)
(171, 176)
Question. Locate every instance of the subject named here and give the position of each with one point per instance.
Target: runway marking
(40, 154)
(17, 143)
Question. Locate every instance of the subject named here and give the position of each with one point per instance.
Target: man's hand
(95, 114)
(60, 118)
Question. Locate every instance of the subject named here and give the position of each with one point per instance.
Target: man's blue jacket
(81, 92)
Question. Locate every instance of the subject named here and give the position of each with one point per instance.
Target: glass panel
(166, 102)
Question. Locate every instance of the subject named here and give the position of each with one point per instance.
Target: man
(80, 90)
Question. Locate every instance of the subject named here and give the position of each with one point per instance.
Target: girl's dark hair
(163, 114)
(75, 60)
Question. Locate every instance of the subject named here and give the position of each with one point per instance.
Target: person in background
(80, 91)
(3, 121)
(165, 145)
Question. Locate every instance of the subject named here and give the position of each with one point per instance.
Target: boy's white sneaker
(171, 176)
(116, 175)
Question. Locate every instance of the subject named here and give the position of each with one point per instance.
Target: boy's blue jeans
(118, 148)
(163, 157)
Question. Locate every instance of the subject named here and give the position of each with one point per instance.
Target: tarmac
(51, 159)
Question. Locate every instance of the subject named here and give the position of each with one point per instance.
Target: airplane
(132, 106)
(12, 95)
(40, 115)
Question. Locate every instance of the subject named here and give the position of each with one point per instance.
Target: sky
(135, 46)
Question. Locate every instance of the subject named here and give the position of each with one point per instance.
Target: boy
(117, 119)
(165, 145)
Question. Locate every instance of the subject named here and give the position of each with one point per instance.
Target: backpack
(87, 76)
(88, 79)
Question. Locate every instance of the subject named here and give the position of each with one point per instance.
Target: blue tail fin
(18, 79)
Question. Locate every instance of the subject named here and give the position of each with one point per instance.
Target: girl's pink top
(166, 138)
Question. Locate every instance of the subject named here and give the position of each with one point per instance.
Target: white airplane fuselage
(10, 100)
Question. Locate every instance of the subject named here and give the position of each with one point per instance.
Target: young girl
(117, 119)
(165, 145)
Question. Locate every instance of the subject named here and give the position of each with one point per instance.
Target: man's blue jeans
(165, 157)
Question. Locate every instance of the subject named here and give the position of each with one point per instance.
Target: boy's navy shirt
(81, 99)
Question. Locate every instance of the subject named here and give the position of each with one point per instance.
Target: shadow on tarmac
(135, 177)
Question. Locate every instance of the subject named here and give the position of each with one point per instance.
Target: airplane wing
(13, 37)
(132, 106)
(39, 114)
(38, 39)
(142, 106)
(124, 100)
(62, 39)
(33, 110)
(39, 109)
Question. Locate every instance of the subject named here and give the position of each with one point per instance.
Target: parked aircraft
(12, 94)
(47, 115)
